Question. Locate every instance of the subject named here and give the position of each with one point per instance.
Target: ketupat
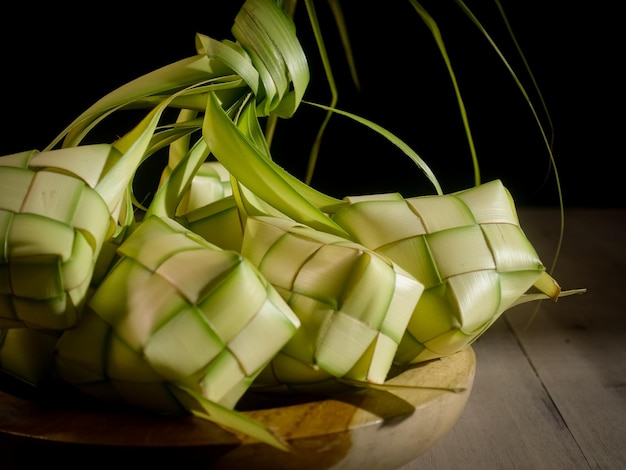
(26, 354)
(60, 209)
(186, 83)
(168, 329)
(468, 250)
(353, 304)
(54, 225)
(234, 84)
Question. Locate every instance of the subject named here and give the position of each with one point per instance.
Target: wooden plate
(371, 429)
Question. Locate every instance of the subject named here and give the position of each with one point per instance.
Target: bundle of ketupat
(236, 275)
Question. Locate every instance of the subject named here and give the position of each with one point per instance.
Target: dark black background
(57, 60)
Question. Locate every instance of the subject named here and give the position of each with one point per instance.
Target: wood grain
(339, 432)
(550, 389)
(550, 385)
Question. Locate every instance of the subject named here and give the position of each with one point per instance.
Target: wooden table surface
(550, 387)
